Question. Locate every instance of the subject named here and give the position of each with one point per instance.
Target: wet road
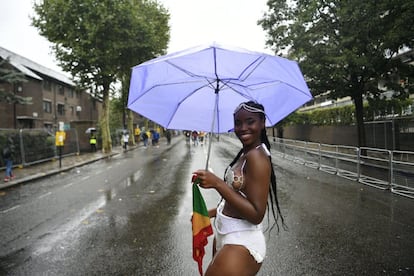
(130, 215)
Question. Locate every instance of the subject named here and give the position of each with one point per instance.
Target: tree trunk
(131, 127)
(106, 134)
(359, 115)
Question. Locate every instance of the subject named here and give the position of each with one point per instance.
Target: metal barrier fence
(379, 168)
(32, 146)
(403, 173)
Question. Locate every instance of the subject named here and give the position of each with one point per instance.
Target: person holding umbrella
(92, 141)
(177, 83)
(239, 246)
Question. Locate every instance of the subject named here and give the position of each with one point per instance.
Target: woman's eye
(250, 121)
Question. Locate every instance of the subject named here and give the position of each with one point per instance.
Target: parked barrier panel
(379, 168)
(403, 173)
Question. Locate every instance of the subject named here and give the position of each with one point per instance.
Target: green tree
(116, 110)
(9, 78)
(346, 47)
(154, 45)
(95, 39)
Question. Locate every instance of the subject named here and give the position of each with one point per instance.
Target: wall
(339, 135)
(396, 134)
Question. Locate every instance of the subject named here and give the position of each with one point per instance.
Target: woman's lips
(244, 136)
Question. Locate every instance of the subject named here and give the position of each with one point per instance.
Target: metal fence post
(320, 156)
(336, 160)
(358, 164)
(391, 173)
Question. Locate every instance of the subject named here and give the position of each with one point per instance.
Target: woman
(239, 246)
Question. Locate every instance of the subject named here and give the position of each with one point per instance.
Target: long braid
(273, 189)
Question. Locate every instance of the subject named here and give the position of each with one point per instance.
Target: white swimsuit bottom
(239, 232)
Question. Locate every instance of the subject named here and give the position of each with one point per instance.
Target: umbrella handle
(212, 129)
(209, 150)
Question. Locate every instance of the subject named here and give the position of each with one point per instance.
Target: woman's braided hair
(272, 188)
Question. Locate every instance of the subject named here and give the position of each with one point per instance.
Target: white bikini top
(234, 177)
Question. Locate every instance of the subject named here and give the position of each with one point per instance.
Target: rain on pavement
(130, 215)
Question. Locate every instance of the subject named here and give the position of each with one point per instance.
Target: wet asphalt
(132, 217)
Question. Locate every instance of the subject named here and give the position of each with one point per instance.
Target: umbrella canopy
(199, 88)
(90, 130)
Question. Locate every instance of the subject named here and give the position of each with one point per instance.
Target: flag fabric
(201, 225)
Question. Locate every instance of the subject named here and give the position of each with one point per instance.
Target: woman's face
(248, 127)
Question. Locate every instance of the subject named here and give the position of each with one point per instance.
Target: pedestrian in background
(125, 139)
(168, 136)
(137, 134)
(149, 135)
(194, 135)
(155, 138)
(8, 155)
(239, 246)
(145, 138)
(92, 142)
(187, 137)
(201, 137)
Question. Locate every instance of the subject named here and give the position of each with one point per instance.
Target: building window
(47, 106)
(61, 90)
(61, 109)
(71, 93)
(72, 110)
(78, 94)
(47, 85)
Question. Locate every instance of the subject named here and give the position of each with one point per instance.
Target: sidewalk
(48, 168)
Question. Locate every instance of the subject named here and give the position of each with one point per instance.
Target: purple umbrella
(199, 88)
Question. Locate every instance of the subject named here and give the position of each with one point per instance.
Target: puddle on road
(48, 243)
(54, 238)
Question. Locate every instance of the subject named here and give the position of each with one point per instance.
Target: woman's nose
(243, 126)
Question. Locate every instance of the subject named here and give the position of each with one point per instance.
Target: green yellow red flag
(201, 225)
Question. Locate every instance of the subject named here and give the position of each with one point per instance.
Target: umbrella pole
(212, 129)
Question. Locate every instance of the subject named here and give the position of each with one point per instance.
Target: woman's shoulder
(257, 155)
(257, 161)
(258, 152)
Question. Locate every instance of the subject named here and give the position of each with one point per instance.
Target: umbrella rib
(164, 84)
(180, 102)
(216, 91)
(249, 87)
(189, 73)
(255, 63)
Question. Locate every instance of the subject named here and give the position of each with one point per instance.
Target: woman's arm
(212, 213)
(257, 179)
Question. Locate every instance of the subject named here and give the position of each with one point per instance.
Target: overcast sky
(192, 22)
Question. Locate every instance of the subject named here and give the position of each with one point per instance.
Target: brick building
(55, 98)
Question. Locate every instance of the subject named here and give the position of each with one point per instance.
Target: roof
(31, 68)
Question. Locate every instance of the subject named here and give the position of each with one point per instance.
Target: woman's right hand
(207, 179)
